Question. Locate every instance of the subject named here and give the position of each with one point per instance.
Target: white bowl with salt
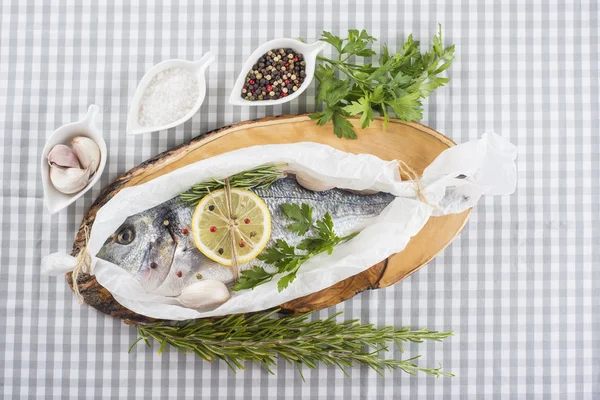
(169, 94)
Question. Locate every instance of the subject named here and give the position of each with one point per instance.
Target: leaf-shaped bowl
(197, 68)
(55, 200)
(309, 51)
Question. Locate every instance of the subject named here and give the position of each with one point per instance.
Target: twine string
(84, 261)
(234, 260)
(413, 176)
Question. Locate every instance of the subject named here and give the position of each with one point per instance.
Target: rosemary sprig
(261, 177)
(237, 339)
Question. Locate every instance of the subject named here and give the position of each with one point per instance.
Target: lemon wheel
(213, 225)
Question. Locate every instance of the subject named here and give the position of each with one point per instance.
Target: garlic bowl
(54, 199)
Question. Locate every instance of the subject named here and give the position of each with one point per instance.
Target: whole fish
(157, 248)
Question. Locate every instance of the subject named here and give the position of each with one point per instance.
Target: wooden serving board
(413, 143)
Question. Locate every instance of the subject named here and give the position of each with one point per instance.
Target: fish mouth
(157, 261)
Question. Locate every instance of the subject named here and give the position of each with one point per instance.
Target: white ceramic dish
(309, 51)
(55, 200)
(196, 67)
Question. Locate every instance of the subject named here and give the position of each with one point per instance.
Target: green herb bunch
(288, 259)
(261, 177)
(393, 87)
(237, 339)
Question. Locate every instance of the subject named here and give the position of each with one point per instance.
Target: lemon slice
(250, 222)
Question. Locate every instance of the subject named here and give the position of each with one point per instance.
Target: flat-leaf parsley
(395, 86)
(288, 259)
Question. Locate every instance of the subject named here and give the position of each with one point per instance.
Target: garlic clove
(204, 294)
(88, 152)
(69, 180)
(63, 156)
(311, 183)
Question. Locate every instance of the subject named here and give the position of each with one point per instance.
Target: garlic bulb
(88, 152)
(204, 293)
(69, 180)
(63, 156)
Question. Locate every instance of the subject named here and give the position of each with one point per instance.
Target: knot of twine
(413, 176)
(84, 262)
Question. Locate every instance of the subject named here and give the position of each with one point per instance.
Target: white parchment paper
(454, 182)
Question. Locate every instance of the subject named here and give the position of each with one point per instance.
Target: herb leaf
(362, 106)
(407, 107)
(302, 215)
(342, 127)
(285, 281)
(250, 278)
(333, 40)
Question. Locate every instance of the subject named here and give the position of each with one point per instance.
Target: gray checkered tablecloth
(520, 286)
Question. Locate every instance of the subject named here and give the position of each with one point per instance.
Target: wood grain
(413, 143)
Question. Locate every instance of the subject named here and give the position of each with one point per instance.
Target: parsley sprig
(288, 259)
(395, 86)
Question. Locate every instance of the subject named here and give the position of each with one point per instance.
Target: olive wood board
(414, 143)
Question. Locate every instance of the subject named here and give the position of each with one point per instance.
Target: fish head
(145, 246)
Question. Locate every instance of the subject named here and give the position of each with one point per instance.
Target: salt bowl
(55, 200)
(309, 51)
(195, 69)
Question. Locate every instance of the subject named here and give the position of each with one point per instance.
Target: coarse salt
(170, 95)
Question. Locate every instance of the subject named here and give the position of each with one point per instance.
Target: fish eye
(125, 235)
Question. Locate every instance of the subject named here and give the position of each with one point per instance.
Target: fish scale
(165, 260)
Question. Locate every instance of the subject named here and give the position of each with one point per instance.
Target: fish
(156, 246)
